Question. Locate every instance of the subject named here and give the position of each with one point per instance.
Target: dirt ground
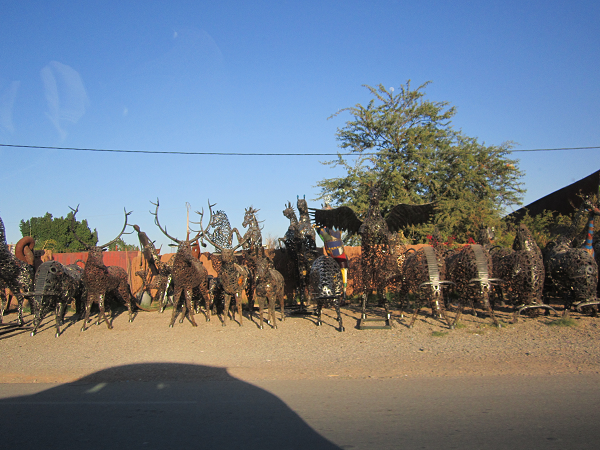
(298, 349)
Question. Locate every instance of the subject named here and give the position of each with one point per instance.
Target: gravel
(298, 349)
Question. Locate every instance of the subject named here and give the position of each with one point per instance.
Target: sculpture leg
(175, 308)
(261, 302)
(102, 314)
(188, 301)
(207, 302)
(364, 305)
(282, 306)
(88, 308)
(238, 301)
(339, 314)
(272, 318)
(319, 309)
(226, 309)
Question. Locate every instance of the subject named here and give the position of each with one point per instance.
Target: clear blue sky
(264, 76)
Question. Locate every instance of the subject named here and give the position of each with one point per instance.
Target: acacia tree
(53, 232)
(407, 144)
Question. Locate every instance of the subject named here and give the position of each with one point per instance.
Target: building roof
(564, 201)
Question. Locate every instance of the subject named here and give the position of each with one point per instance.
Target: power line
(254, 154)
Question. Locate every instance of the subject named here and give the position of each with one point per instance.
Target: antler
(155, 214)
(87, 246)
(205, 234)
(121, 233)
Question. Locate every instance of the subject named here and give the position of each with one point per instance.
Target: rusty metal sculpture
(15, 275)
(268, 287)
(187, 273)
(101, 280)
(250, 251)
(232, 278)
(160, 272)
(327, 286)
(57, 285)
(424, 277)
(375, 232)
(301, 247)
(573, 272)
(522, 273)
(470, 268)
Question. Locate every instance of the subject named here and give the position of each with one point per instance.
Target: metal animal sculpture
(268, 287)
(301, 247)
(160, 272)
(57, 285)
(424, 277)
(101, 281)
(327, 286)
(470, 268)
(16, 275)
(375, 232)
(232, 277)
(187, 273)
(522, 273)
(251, 250)
(573, 272)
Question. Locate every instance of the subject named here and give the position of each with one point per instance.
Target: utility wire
(255, 154)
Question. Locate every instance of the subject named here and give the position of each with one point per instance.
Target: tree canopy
(407, 144)
(53, 232)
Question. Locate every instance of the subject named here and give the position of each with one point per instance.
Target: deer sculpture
(187, 273)
(15, 275)
(572, 271)
(100, 280)
(375, 232)
(232, 278)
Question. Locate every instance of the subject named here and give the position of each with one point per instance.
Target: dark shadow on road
(155, 406)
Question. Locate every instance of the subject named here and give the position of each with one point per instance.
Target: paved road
(164, 406)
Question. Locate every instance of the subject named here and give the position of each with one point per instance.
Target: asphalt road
(180, 406)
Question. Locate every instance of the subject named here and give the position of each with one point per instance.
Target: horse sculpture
(232, 278)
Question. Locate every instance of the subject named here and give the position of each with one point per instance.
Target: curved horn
(24, 250)
(155, 214)
(203, 232)
(120, 234)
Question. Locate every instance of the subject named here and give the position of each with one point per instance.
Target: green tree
(407, 143)
(121, 245)
(53, 232)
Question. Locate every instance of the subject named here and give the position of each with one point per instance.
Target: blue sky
(263, 77)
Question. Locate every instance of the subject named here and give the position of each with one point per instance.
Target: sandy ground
(298, 349)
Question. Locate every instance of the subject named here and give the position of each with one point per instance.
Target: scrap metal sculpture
(160, 272)
(268, 284)
(424, 277)
(522, 273)
(301, 247)
(187, 273)
(375, 232)
(232, 278)
(470, 268)
(101, 280)
(15, 275)
(57, 285)
(327, 286)
(573, 272)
